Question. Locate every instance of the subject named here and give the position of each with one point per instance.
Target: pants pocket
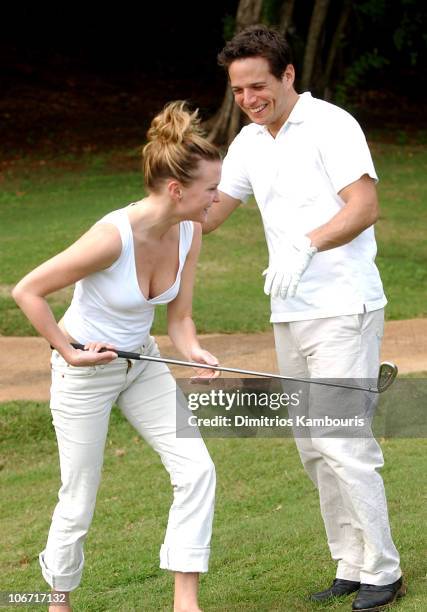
(59, 364)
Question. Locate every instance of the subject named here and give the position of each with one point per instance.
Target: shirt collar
(298, 113)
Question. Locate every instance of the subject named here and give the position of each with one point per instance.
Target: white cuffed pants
(344, 470)
(81, 401)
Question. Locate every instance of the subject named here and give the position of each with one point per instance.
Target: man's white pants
(81, 401)
(351, 491)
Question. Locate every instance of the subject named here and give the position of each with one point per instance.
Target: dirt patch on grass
(25, 371)
(58, 297)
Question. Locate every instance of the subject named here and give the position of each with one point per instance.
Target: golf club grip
(122, 354)
(141, 357)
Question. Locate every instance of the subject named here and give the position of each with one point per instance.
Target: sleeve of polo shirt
(234, 179)
(345, 152)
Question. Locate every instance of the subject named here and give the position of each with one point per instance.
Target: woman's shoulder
(118, 221)
(113, 232)
(115, 217)
(107, 233)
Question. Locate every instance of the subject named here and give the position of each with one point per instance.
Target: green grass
(268, 551)
(402, 227)
(46, 204)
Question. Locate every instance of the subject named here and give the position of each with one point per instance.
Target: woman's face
(202, 192)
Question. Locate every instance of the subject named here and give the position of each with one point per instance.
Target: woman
(129, 261)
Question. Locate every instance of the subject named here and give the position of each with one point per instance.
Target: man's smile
(258, 109)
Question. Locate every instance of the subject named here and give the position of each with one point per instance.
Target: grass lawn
(268, 551)
(46, 204)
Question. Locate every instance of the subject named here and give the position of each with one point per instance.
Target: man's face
(264, 98)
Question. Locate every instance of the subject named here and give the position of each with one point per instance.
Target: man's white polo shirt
(296, 178)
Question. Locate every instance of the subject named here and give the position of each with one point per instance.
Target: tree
(317, 22)
(385, 44)
(227, 121)
(285, 17)
(333, 49)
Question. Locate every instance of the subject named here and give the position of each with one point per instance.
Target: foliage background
(92, 75)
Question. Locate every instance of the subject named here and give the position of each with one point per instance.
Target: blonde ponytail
(175, 146)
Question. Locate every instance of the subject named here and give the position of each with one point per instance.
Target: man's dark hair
(258, 41)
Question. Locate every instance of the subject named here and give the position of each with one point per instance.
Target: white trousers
(81, 401)
(344, 470)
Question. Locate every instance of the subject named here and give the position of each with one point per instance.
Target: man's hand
(284, 273)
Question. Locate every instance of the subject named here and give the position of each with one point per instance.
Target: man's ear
(288, 77)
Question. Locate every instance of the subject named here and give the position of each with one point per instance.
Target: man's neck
(275, 128)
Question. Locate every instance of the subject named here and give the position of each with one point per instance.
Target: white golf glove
(285, 271)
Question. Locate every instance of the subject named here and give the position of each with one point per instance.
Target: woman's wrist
(186, 346)
(193, 350)
(68, 353)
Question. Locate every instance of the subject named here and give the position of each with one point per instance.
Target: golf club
(386, 375)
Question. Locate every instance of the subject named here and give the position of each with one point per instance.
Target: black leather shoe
(374, 598)
(338, 588)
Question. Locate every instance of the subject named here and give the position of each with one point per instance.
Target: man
(308, 165)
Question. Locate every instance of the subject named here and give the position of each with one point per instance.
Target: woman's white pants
(81, 401)
(344, 470)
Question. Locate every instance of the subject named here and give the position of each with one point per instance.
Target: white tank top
(109, 305)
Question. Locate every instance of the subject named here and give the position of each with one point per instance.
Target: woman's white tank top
(109, 305)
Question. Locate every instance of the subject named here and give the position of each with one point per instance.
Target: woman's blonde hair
(175, 146)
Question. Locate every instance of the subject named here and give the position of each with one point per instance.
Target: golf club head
(386, 376)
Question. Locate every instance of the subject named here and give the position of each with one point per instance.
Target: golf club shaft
(194, 364)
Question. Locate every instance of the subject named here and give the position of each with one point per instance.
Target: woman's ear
(175, 190)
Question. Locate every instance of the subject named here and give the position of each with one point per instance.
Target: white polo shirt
(295, 179)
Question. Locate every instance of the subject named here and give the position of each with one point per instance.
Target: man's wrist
(305, 243)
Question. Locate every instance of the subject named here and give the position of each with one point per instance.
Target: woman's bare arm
(181, 328)
(94, 251)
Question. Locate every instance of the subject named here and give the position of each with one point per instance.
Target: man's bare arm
(359, 212)
(219, 212)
